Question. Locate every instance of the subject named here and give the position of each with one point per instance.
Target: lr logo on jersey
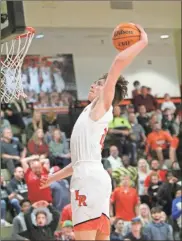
(80, 198)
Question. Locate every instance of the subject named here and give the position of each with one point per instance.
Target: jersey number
(103, 138)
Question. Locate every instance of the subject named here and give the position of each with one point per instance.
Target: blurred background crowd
(142, 154)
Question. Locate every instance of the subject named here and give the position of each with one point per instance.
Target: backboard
(12, 19)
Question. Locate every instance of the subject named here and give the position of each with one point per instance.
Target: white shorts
(90, 192)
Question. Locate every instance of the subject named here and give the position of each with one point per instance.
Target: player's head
(120, 89)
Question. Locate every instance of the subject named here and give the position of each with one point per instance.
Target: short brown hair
(153, 175)
(120, 88)
(156, 209)
(41, 212)
(116, 221)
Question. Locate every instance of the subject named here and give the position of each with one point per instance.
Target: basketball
(125, 35)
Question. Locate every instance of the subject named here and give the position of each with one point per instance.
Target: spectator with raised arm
(34, 171)
(41, 220)
(36, 168)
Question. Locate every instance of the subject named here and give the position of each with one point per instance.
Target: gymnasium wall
(155, 67)
(99, 14)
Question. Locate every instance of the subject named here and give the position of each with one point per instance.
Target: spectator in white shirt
(143, 172)
(114, 159)
(168, 104)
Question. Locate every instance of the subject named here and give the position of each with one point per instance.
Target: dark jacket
(35, 233)
(116, 236)
(165, 196)
(152, 192)
(170, 126)
(132, 238)
(19, 187)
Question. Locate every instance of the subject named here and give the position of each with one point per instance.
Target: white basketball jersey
(88, 136)
(46, 74)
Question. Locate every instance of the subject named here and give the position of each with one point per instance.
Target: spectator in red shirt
(66, 213)
(126, 201)
(58, 193)
(33, 174)
(37, 145)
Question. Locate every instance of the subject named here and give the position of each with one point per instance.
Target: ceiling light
(164, 36)
(38, 36)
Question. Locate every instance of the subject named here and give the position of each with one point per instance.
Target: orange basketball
(125, 35)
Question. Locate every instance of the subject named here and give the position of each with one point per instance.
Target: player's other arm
(63, 173)
(121, 61)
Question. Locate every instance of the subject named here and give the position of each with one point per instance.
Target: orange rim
(29, 31)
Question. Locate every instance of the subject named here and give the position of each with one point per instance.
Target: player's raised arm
(121, 61)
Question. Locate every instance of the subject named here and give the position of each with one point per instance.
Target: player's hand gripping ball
(125, 35)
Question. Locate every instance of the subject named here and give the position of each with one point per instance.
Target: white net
(11, 74)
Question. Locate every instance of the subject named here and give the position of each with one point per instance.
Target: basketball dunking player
(90, 183)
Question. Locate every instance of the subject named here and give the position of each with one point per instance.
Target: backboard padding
(15, 23)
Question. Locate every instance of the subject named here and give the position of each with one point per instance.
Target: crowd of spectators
(139, 154)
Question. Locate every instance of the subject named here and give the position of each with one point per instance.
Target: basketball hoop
(15, 51)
